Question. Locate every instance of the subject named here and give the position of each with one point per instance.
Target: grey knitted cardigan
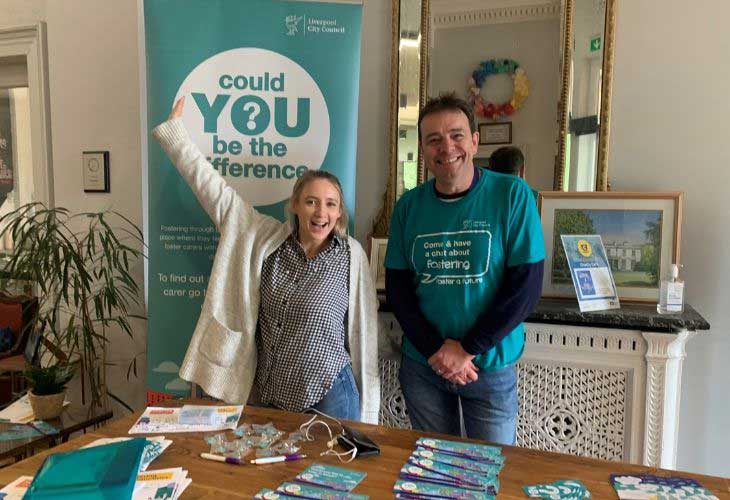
(221, 357)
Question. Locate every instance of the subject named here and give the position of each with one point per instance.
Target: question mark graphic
(253, 110)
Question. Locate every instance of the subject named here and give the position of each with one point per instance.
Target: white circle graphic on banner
(260, 119)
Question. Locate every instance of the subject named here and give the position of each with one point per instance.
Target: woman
(290, 307)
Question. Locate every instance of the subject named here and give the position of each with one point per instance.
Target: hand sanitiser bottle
(671, 293)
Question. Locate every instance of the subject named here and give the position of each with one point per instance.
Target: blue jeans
(343, 399)
(489, 405)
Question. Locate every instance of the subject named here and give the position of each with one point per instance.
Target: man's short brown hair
(447, 102)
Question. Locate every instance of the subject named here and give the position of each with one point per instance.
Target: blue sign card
(591, 272)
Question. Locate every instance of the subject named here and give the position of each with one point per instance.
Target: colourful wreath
(520, 88)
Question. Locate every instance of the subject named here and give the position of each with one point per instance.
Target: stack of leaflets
(438, 468)
(319, 482)
(167, 484)
(189, 418)
(647, 486)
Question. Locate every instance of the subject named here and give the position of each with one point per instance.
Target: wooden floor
(216, 480)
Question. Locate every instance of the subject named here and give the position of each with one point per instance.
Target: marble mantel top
(630, 317)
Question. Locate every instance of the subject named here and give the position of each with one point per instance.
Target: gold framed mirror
(566, 49)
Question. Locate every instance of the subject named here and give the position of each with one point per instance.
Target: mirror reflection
(508, 61)
(584, 105)
(409, 95)
(558, 115)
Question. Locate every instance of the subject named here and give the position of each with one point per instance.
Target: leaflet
(163, 483)
(156, 420)
(16, 490)
(491, 469)
(331, 477)
(304, 491)
(466, 476)
(416, 489)
(414, 473)
(481, 452)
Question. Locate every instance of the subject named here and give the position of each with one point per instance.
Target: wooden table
(216, 480)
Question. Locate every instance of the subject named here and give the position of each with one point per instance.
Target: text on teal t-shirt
(459, 250)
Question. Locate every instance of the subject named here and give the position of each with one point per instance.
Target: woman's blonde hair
(309, 176)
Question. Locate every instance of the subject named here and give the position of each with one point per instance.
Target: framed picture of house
(640, 231)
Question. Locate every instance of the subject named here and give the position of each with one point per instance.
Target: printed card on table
(647, 486)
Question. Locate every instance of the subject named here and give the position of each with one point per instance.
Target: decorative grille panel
(572, 409)
(393, 411)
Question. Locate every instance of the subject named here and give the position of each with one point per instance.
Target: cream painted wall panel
(373, 115)
(92, 47)
(669, 131)
(21, 12)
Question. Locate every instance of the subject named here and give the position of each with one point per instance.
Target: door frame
(29, 41)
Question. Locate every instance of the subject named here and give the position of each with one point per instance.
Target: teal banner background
(182, 35)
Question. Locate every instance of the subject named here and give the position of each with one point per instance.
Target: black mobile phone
(365, 446)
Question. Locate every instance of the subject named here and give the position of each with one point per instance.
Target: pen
(218, 458)
(282, 458)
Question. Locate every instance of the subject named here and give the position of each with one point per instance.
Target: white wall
(669, 132)
(372, 130)
(535, 45)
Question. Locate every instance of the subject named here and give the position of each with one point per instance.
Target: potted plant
(80, 266)
(47, 389)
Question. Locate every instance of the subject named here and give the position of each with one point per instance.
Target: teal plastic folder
(98, 473)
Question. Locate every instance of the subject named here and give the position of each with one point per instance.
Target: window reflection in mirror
(408, 95)
(585, 99)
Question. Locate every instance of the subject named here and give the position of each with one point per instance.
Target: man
(463, 270)
(509, 160)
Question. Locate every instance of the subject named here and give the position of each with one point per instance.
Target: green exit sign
(595, 43)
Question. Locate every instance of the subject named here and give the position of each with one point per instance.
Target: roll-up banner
(271, 91)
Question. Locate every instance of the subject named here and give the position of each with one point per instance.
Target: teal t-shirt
(459, 250)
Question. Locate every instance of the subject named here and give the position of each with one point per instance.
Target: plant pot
(46, 407)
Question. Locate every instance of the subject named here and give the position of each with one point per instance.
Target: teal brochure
(482, 452)
(106, 472)
(591, 272)
(417, 489)
(491, 469)
(303, 491)
(466, 476)
(329, 476)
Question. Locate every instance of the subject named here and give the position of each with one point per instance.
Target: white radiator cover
(596, 392)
